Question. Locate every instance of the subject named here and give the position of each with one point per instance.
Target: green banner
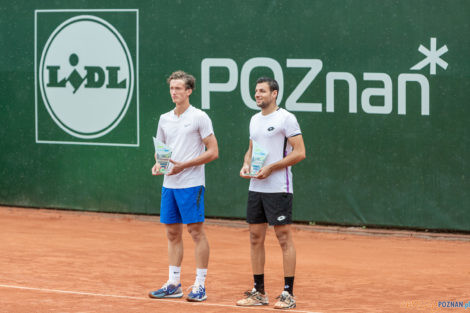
(380, 90)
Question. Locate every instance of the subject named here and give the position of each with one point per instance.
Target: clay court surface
(62, 261)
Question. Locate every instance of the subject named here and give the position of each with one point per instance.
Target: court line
(147, 299)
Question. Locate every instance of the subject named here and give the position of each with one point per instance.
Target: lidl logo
(86, 77)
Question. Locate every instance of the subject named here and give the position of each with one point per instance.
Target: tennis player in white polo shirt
(270, 192)
(188, 132)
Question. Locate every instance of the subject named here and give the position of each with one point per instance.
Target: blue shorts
(185, 205)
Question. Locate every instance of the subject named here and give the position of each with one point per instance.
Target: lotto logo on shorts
(86, 69)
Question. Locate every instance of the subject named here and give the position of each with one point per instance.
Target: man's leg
(172, 289)
(190, 203)
(257, 251)
(257, 222)
(191, 207)
(196, 230)
(278, 208)
(284, 236)
(170, 216)
(174, 234)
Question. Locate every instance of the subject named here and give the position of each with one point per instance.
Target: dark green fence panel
(381, 90)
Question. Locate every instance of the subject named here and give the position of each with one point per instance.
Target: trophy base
(164, 171)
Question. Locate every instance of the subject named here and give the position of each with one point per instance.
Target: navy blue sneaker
(197, 294)
(168, 290)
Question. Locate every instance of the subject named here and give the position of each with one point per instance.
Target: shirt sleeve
(251, 128)
(292, 127)
(205, 125)
(160, 134)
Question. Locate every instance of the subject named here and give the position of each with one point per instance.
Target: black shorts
(273, 208)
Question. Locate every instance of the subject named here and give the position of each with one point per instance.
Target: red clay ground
(61, 261)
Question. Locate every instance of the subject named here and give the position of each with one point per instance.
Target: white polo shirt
(271, 132)
(184, 134)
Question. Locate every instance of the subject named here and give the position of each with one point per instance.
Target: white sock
(201, 274)
(174, 274)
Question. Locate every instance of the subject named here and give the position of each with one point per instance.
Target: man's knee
(283, 235)
(174, 233)
(256, 238)
(196, 231)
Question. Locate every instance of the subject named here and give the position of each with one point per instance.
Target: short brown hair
(272, 83)
(189, 80)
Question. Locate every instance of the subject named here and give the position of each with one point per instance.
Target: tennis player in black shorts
(277, 132)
